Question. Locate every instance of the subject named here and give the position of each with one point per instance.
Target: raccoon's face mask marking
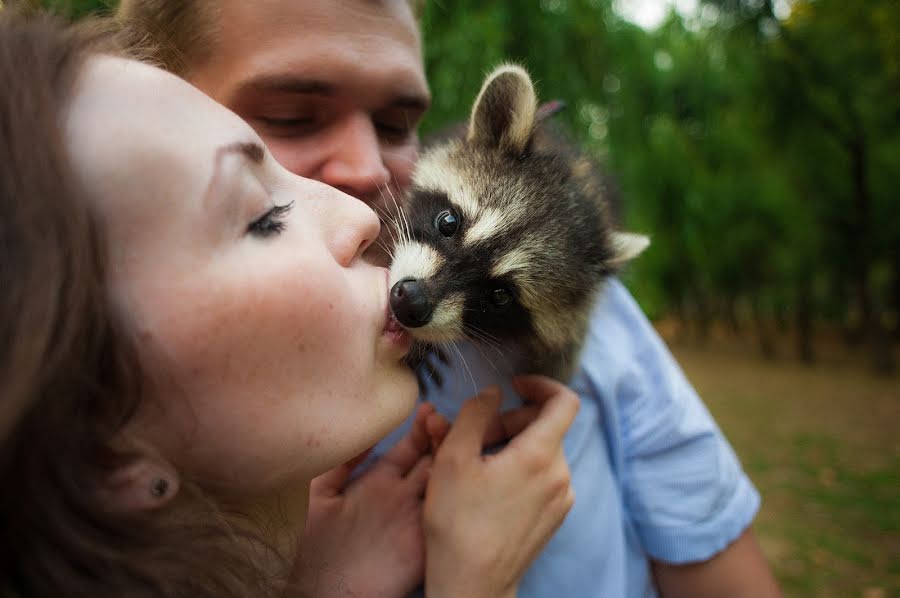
(465, 295)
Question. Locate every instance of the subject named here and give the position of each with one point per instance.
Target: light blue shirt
(653, 475)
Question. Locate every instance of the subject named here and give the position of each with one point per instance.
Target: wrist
(463, 584)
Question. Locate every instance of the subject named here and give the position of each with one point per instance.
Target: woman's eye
(270, 223)
(447, 223)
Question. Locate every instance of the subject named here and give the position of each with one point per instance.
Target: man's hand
(365, 538)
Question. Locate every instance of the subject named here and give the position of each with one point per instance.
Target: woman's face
(262, 332)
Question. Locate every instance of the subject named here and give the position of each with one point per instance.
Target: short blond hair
(177, 34)
(172, 34)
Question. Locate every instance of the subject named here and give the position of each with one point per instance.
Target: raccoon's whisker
(403, 217)
(466, 365)
(484, 338)
(494, 342)
(430, 371)
(398, 216)
(389, 250)
(490, 361)
(483, 334)
(389, 220)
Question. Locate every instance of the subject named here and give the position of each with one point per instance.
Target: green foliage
(761, 154)
(78, 8)
(739, 140)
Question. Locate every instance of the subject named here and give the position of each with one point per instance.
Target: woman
(336, 89)
(191, 335)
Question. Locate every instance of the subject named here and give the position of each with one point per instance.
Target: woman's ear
(143, 483)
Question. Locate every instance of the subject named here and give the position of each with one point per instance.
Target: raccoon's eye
(501, 297)
(447, 223)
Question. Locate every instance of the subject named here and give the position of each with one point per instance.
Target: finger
(437, 426)
(355, 461)
(418, 475)
(549, 522)
(536, 389)
(509, 423)
(404, 455)
(467, 434)
(331, 483)
(558, 410)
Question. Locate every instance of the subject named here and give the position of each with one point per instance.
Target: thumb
(468, 431)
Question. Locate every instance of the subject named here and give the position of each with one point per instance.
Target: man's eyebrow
(412, 102)
(286, 83)
(283, 84)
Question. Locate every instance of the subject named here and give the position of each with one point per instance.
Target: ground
(822, 445)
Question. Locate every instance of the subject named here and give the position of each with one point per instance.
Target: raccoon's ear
(626, 247)
(503, 113)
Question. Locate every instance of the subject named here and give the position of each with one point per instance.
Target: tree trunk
(803, 321)
(731, 315)
(701, 307)
(763, 333)
(871, 325)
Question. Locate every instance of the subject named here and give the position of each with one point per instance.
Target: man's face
(336, 88)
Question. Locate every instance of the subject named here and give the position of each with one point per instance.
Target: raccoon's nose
(409, 303)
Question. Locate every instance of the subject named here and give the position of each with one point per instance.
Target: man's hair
(172, 34)
(178, 34)
(69, 374)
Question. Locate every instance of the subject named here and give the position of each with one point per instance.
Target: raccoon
(506, 236)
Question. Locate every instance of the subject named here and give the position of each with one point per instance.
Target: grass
(822, 445)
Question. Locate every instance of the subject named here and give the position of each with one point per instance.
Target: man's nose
(355, 165)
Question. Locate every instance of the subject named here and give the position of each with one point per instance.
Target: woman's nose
(356, 165)
(354, 227)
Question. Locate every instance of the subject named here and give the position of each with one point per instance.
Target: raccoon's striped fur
(506, 235)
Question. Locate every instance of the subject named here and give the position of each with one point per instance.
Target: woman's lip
(392, 328)
(397, 334)
(392, 324)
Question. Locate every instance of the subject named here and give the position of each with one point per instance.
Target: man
(336, 88)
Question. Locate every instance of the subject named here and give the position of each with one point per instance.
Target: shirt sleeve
(683, 488)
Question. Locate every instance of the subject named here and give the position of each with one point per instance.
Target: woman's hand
(487, 517)
(365, 538)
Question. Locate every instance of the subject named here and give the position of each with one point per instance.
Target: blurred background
(758, 143)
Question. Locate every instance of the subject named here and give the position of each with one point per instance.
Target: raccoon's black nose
(409, 303)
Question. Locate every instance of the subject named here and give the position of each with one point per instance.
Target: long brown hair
(69, 377)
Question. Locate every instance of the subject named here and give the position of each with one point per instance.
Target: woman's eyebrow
(253, 151)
